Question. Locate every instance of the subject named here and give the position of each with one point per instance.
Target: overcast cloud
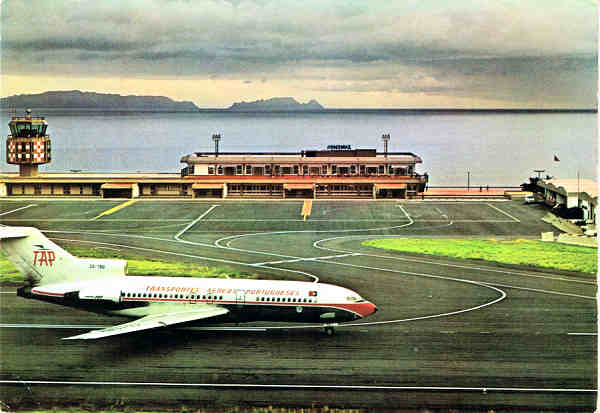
(514, 51)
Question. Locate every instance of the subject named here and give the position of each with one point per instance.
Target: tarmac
(452, 334)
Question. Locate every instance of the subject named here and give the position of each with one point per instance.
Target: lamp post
(468, 181)
(385, 139)
(216, 139)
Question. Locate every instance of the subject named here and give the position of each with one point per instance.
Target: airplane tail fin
(44, 262)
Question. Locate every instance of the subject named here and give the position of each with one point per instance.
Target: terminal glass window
(304, 169)
(324, 170)
(296, 169)
(211, 170)
(381, 169)
(248, 169)
(334, 169)
(238, 170)
(352, 169)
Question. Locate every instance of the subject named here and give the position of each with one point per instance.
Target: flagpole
(578, 188)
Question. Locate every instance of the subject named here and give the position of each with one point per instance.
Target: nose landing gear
(329, 329)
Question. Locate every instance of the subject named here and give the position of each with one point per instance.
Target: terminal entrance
(116, 190)
(299, 190)
(391, 191)
(207, 190)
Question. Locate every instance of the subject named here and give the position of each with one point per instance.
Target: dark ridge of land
(76, 99)
(285, 104)
(413, 111)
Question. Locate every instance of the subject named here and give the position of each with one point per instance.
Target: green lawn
(521, 252)
(135, 266)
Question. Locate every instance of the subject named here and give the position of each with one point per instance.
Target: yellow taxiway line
(115, 209)
(306, 208)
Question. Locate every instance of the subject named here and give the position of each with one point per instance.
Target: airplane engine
(102, 293)
(102, 267)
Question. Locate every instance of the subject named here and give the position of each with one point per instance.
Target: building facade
(309, 174)
(332, 173)
(571, 193)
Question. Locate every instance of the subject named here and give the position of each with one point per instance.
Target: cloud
(433, 46)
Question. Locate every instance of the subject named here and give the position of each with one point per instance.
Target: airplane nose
(368, 309)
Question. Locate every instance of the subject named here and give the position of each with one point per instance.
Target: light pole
(216, 139)
(468, 181)
(385, 139)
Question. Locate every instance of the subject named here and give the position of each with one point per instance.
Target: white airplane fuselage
(102, 286)
(246, 300)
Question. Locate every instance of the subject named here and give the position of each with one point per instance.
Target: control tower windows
(27, 129)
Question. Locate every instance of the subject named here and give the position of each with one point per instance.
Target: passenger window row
(213, 297)
(176, 296)
(284, 300)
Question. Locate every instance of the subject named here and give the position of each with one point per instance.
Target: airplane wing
(154, 321)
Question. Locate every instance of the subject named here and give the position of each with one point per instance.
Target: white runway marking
(503, 294)
(582, 334)
(307, 259)
(53, 326)
(504, 212)
(180, 233)
(299, 386)
(535, 290)
(423, 261)
(315, 244)
(155, 250)
(18, 209)
(406, 213)
(314, 277)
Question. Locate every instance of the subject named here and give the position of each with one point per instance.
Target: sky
(345, 54)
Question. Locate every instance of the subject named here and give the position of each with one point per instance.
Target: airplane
(103, 286)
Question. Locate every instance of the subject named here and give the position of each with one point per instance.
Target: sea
(479, 148)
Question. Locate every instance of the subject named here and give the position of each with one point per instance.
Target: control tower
(28, 145)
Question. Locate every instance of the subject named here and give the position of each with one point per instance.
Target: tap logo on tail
(43, 256)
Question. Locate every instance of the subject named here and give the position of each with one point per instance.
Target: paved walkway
(466, 192)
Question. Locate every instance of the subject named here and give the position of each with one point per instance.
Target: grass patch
(135, 266)
(520, 252)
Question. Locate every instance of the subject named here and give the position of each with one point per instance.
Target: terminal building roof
(290, 158)
(572, 186)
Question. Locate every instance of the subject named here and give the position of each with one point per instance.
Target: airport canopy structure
(571, 193)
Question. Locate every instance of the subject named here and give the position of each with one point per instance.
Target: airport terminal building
(338, 172)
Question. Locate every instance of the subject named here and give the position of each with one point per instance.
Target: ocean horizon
(495, 147)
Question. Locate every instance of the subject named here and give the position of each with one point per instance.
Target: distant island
(276, 104)
(75, 99)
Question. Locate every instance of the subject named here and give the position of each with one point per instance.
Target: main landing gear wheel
(329, 330)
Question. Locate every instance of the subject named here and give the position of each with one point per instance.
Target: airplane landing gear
(329, 330)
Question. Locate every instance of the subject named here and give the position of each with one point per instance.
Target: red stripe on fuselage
(362, 309)
(47, 293)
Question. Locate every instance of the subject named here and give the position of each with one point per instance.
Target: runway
(448, 333)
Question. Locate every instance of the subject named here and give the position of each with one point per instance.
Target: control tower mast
(28, 145)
